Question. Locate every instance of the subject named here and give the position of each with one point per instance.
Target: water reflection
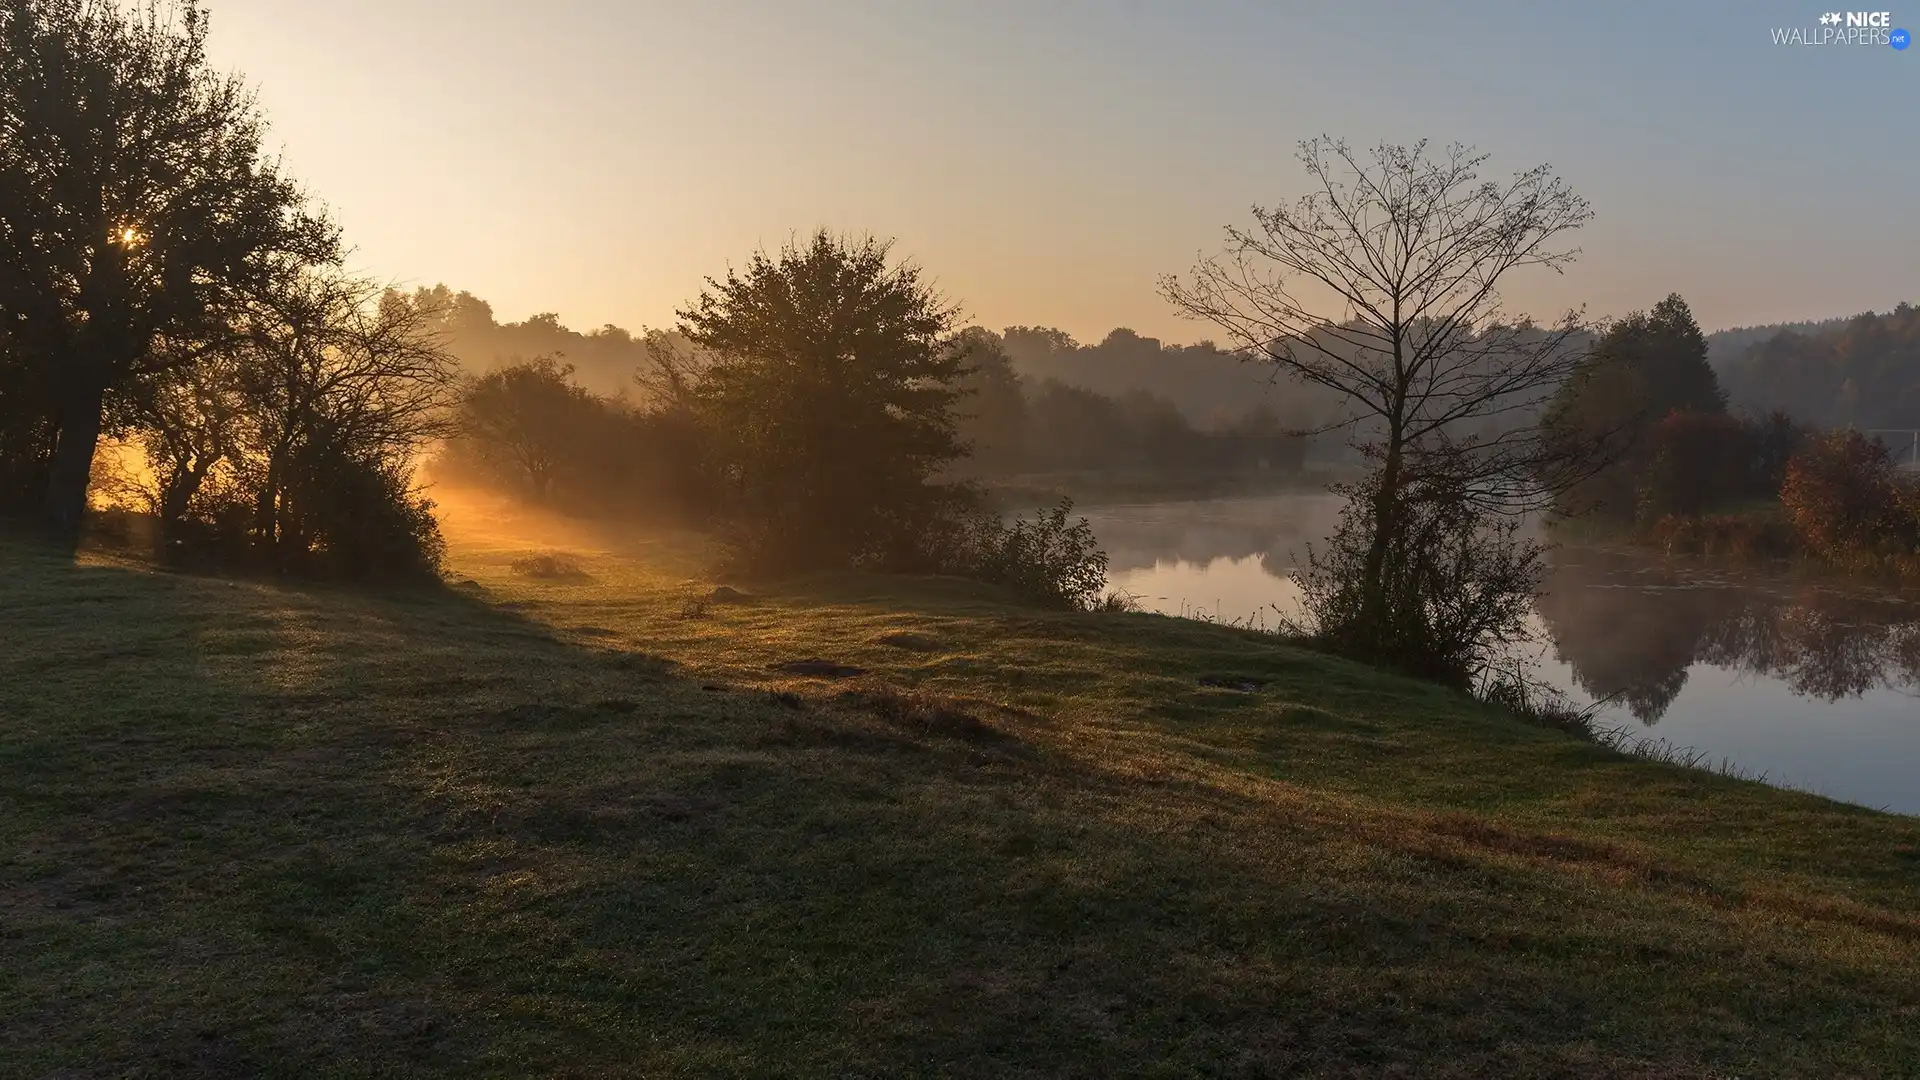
(1630, 627)
(1815, 685)
(1272, 529)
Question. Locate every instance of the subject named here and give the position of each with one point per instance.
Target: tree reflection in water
(1632, 628)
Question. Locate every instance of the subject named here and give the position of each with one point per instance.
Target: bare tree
(326, 358)
(188, 417)
(1382, 286)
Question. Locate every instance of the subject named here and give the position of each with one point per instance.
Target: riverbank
(1758, 533)
(607, 822)
(1041, 489)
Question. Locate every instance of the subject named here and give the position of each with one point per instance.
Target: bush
(1047, 559)
(552, 567)
(1695, 460)
(1457, 587)
(351, 516)
(1845, 497)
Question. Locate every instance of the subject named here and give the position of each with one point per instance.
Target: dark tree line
(163, 282)
(533, 428)
(1033, 400)
(808, 408)
(136, 209)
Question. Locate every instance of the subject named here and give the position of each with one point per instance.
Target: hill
(598, 821)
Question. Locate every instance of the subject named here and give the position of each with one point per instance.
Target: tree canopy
(832, 388)
(135, 205)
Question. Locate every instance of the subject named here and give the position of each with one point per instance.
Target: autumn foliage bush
(1695, 461)
(1845, 497)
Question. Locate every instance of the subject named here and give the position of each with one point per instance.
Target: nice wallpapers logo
(1846, 28)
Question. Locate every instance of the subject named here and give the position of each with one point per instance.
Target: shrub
(1458, 586)
(1845, 497)
(353, 516)
(1048, 559)
(1694, 460)
(553, 567)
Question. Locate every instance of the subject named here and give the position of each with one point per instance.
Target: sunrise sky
(1047, 160)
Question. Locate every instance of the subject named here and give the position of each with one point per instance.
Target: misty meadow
(1071, 626)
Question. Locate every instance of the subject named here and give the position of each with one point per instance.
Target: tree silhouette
(527, 421)
(1381, 287)
(831, 392)
(1642, 369)
(135, 203)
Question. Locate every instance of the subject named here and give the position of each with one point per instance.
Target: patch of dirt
(1245, 684)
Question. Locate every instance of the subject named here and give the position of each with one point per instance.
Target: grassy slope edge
(584, 827)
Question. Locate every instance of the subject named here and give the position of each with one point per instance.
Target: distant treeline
(1863, 371)
(1211, 388)
(1730, 345)
(537, 428)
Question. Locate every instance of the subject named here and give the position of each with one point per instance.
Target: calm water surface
(1816, 685)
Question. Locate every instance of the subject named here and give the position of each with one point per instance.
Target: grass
(590, 825)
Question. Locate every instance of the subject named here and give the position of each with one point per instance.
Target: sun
(129, 236)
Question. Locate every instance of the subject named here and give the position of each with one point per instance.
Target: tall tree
(831, 387)
(1675, 360)
(1381, 287)
(135, 203)
(1643, 368)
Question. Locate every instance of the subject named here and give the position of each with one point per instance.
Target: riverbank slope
(604, 822)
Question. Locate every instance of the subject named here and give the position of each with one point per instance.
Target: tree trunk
(177, 496)
(1386, 505)
(72, 467)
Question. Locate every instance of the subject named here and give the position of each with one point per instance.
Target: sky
(1047, 161)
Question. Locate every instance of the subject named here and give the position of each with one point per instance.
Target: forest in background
(1862, 370)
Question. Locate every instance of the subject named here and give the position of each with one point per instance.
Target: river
(1815, 685)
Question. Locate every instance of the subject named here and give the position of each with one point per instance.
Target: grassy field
(598, 823)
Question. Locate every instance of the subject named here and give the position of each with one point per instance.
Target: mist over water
(1816, 685)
